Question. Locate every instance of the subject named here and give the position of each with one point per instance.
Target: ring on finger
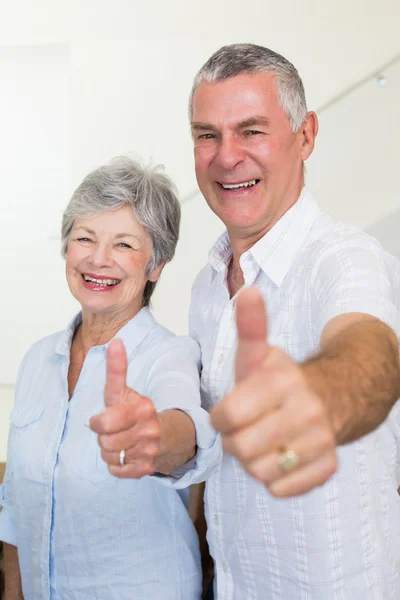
(122, 458)
(288, 460)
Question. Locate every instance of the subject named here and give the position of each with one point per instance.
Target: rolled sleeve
(7, 527)
(173, 383)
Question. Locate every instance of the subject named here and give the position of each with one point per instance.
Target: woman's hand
(129, 422)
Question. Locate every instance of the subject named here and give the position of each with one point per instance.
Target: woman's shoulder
(163, 341)
(167, 340)
(41, 349)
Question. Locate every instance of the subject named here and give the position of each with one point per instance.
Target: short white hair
(147, 190)
(236, 59)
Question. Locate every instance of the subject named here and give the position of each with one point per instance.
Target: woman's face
(107, 256)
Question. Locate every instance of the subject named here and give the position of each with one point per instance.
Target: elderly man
(297, 509)
(290, 401)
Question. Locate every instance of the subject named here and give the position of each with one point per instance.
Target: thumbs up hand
(128, 429)
(272, 421)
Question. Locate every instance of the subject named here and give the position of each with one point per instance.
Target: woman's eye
(124, 245)
(84, 239)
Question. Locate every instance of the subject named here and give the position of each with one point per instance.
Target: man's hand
(272, 410)
(129, 422)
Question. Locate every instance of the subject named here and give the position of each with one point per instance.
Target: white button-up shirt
(340, 541)
(81, 533)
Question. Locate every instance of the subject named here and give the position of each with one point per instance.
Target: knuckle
(329, 468)
(333, 463)
(152, 450)
(314, 411)
(274, 435)
(257, 471)
(152, 432)
(146, 408)
(327, 440)
(105, 456)
(277, 491)
(107, 442)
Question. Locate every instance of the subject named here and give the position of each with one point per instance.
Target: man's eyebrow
(251, 121)
(199, 126)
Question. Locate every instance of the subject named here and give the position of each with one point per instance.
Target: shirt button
(220, 359)
(224, 567)
(216, 520)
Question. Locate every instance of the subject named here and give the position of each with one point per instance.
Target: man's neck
(241, 242)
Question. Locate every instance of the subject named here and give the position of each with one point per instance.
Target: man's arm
(356, 374)
(13, 589)
(283, 420)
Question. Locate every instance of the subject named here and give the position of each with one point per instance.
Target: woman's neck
(97, 329)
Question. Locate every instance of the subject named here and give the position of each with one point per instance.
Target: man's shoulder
(203, 278)
(339, 251)
(329, 235)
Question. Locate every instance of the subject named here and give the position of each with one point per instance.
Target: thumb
(251, 323)
(117, 365)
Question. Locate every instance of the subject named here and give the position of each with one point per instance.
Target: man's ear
(308, 131)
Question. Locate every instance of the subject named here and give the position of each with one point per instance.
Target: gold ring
(288, 460)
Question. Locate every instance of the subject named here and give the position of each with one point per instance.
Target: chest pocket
(85, 457)
(27, 442)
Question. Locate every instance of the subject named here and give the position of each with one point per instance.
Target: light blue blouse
(81, 533)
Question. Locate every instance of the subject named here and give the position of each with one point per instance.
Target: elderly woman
(94, 506)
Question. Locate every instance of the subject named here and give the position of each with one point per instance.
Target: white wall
(34, 183)
(115, 79)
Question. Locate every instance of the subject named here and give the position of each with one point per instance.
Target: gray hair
(150, 193)
(236, 59)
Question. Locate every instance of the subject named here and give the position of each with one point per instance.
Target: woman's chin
(99, 307)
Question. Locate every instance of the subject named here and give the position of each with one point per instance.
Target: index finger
(117, 366)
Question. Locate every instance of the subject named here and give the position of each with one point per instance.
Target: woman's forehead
(122, 220)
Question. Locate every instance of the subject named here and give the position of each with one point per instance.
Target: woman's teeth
(101, 281)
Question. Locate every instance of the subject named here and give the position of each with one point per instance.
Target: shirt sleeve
(354, 273)
(7, 527)
(173, 383)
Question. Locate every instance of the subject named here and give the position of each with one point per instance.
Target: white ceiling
(116, 79)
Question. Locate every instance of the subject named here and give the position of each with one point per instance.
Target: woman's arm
(13, 589)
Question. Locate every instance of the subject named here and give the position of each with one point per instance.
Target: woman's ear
(155, 274)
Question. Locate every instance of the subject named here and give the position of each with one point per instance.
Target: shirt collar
(276, 250)
(131, 334)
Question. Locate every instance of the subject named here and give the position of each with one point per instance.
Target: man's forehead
(235, 93)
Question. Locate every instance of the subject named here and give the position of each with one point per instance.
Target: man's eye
(206, 136)
(252, 132)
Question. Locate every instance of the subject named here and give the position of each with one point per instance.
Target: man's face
(249, 163)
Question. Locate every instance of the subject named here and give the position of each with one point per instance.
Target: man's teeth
(101, 281)
(233, 186)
